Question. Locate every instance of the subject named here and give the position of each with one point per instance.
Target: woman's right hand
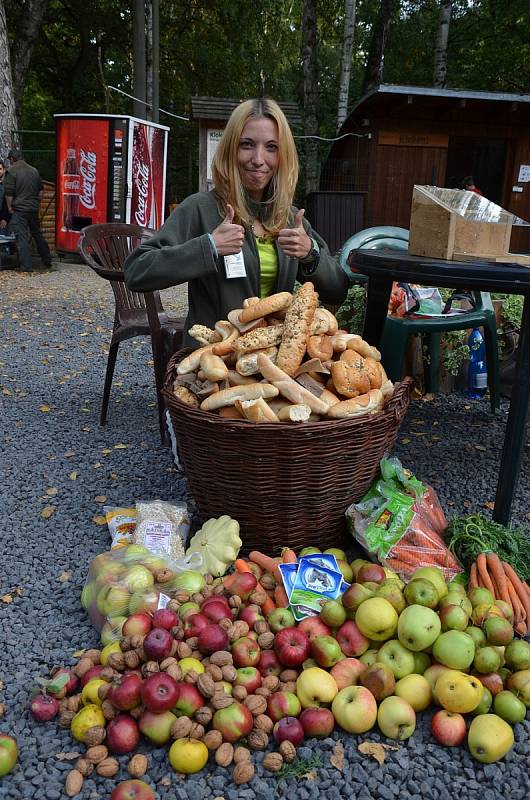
(228, 237)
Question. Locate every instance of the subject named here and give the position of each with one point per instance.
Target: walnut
(207, 591)
(258, 597)
(290, 686)
(137, 640)
(206, 685)
(288, 675)
(109, 712)
(132, 659)
(196, 731)
(215, 672)
(182, 596)
(239, 693)
(221, 658)
(73, 703)
(271, 682)
(95, 736)
(117, 661)
(141, 654)
(73, 783)
(65, 718)
(241, 754)
(175, 671)
(84, 766)
(262, 691)
(82, 666)
(263, 723)
(224, 755)
(184, 650)
(225, 623)
(137, 711)
(208, 578)
(103, 691)
(196, 654)
(192, 642)
(173, 605)
(273, 762)
(167, 663)
(93, 654)
(212, 739)
(181, 728)
(107, 674)
(108, 768)
(266, 640)
(125, 644)
(177, 632)
(235, 601)
(198, 598)
(221, 700)
(163, 575)
(137, 766)
(205, 662)
(219, 589)
(256, 704)
(267, 581)
(241, 628)
(203, 715)
(149, 668)
(243, 772)
(261, 626)
(96, 753)
(229, 673)
(288, 751)
(258, 740)
(191, 676)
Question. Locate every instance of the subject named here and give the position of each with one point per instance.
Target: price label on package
(157, 536)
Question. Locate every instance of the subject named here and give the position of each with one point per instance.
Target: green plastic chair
(397, 330)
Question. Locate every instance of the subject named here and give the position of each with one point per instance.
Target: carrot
(521, 628)
(483, 572)
(241, 565)
(498, 574)
(268, 604)
(518, 610)
(280, 597)
(472, 577)
(265, 562)
(289, 556)
(522, 594)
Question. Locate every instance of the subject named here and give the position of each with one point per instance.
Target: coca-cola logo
(88, 174)
(141, 179)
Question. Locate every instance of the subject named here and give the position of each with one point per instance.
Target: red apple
(159, 692)
(212, 638)
(137, 625)
(189, 700)
(194, 624)
(351, 640)
(289, 729)
(8, 753)
(214, 598)
(158, 644)
(44, 707)
(347, 671)
(234, 722)
(72, 684)
(326, 651)
(251, 614)
(371, 573)
(313, 627)
(283, 704)
(246, 652)
(132, 790)
(125, 692)
(317, 722)
(492, 681)
(249, 677)
(157, 727)
(241, 584)
(122, 734)
(280, 618)
(448, 728)
(93, 672)
(292, 646)
(165, 618)
(216, 611)
(269, 664)
(355, 595)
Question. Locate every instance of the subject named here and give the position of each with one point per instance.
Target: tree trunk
(440, 48)
(345, 63)
(373, 74)
(25, 40)
(149, 60)
(8, 113)
(310, 71)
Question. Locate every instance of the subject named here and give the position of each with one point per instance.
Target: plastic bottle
(477, 374)
(71, 187)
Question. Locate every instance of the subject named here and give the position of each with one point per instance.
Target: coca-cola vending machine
(110, 168)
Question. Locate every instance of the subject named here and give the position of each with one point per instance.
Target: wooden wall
(47, 213)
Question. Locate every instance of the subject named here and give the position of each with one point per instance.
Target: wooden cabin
(406, 135)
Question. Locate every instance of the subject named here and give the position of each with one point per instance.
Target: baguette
(191, 362)
(213, 367)
(256, 410)
(228, 397)
(247, 364)
(268, 305)
(229, 334)
(235, 379)
(250, 301)
(259, 339)
(299, 412)
(288, 387)
(230, 412)
(233, 317)
(368, 403)
(297, 328)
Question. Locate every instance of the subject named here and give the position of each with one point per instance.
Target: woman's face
(257, 155)
(1, 172)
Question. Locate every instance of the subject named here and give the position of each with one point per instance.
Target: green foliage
(351, 313)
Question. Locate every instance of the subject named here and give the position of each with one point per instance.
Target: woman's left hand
(294, 241)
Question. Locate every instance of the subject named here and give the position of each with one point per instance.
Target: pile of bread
(282, 359)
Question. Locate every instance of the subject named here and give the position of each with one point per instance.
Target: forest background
(61, 56)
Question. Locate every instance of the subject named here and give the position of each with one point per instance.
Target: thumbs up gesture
(228, 237)
(294, 241)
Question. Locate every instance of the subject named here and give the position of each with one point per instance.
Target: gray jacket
(180, 252)
(23, 183)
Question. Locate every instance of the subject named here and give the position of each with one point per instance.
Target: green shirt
(268, 263)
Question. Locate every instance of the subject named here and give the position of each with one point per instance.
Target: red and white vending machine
(109, 168)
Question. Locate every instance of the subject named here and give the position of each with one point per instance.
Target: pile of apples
(211, 671)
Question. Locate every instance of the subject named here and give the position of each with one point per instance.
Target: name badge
(235, 266)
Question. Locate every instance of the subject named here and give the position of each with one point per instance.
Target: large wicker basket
(286, 484)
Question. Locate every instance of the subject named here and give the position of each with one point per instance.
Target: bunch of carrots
(269, 592)
(503, 582)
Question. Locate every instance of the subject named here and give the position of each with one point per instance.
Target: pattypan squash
(218, 543)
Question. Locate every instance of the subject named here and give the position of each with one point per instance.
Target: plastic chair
(397, 330)
(104, 248)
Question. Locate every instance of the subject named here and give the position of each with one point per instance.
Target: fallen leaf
(2, 686)
(69, 453)
(121, 446)
(66, 575)
(44, 409)
(309, 776)
(480, 447)
(52, 491)
(68, 756)
(6, 598)
(114, 476)
(6, 392)
(100, 498)
(337, 758)
(527, 515)
(106, 451)
(73, 475)
(47, 512)
(405, 441)
(165, 781)
(489, 504)
(79, 653)
(375, 750)
(99, 519)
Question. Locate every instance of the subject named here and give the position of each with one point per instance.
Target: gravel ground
(56, 328)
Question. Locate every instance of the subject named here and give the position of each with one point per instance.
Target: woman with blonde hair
(244, 238)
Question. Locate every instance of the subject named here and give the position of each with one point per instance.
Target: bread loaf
(185, 395)
(228, 397)
(349, 375)
(360, 346)
(256, 410)
(298, 412)
(204, 335)
(230, 412)
(323, 322)
(288, 387)
(247, 364)
(259, 339)
(191, 362)
(213, 367)
(229, 334)
(235, 379)
(367, 403)
(268, 305)
(297, 328)
(340, 341)
(320, 347)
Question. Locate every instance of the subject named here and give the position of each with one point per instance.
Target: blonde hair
(225, 171)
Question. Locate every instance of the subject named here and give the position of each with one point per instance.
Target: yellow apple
(90, 692)
(188, 755)
(315, 687)
(489, 738)
(339, 554)
(190, 663)
(435, 575)
(377, 619)
(459, 692)
(88, 717)
(113, 647)
(416, 690)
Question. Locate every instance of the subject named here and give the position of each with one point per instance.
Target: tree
(8, 114)
(345, 63)
(30, 22)
(440, 47)
(373, 75)
(310, 71)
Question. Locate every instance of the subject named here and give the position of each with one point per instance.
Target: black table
(385, 266)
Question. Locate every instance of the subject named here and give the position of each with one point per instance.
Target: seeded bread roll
(268, 305)
(204, 335)
(367, 403)
(374, 371)
(349, 375)
(297, 329)
(358, 344)
(228, 397)
(258, 339)
(289, 387)
(185, 395)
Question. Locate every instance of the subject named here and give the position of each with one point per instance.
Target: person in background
(23, 191)
(4, 213)
(468, 184)
(244, 238)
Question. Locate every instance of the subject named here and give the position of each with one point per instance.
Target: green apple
(519, 684)
(421, 592)
(189, 608)
(454, 649)
(517, 655)
(453, 618)
(489, 738)
(377, 619)
(390, 590)
(433, 574)
(416, 690)
(477, 634)
(498, 631)
(456, 586)
(396, 718)
(88, 595)
(422, 661)
(355, 709)
(479, 595)
(369, 657)
(456, 599)
(487, 659)
(138, 578)
(144, 601)
(111, 631)
(8, 754)
(134, 552)
(339, 554)
(431, 675)
(280, 618)
(398, 658)
(509, 707)
(347, 572)
(191, 581)
(315, 687)
(356, 565)
(153, 562)
(418, 627)
(115, 602)
(485, 703)
(309, 551)
(333, 614)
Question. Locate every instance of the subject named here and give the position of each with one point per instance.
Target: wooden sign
(413, 139)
